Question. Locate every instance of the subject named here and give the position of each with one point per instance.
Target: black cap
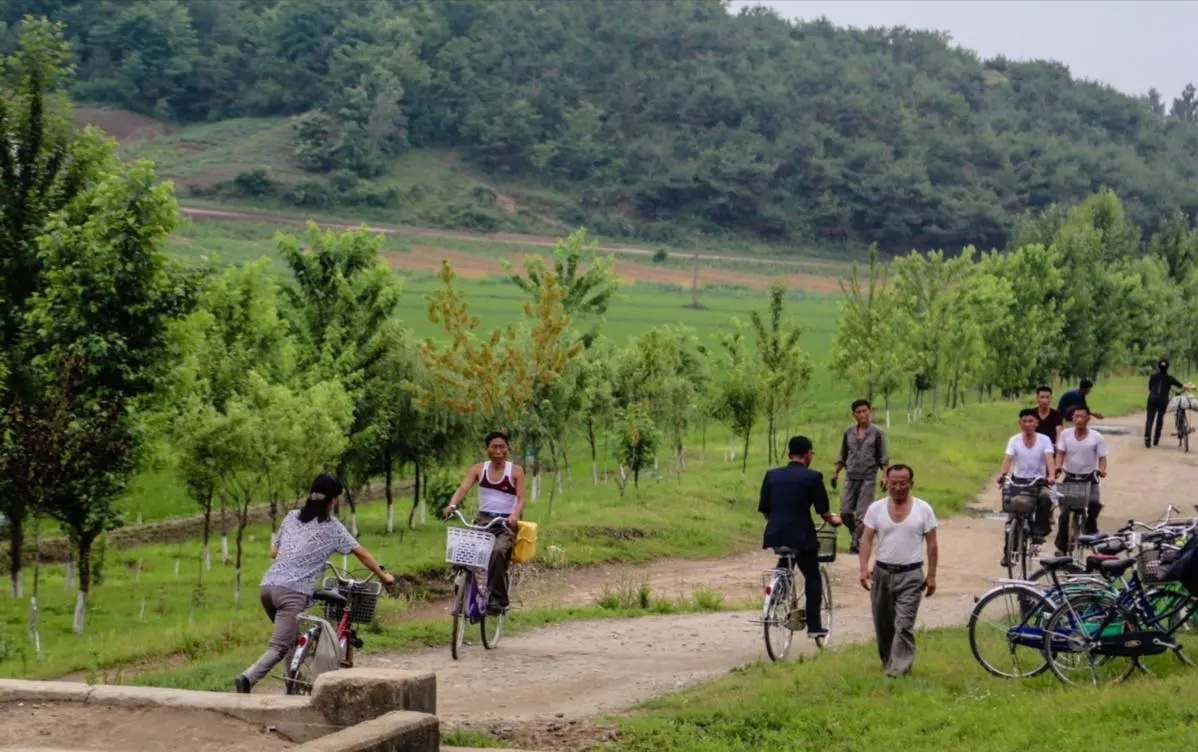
(327, 486)
(1163, 364)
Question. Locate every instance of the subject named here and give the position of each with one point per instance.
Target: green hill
(656, 120)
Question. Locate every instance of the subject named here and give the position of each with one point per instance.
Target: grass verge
(841, 702)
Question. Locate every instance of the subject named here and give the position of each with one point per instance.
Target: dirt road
(584, 669)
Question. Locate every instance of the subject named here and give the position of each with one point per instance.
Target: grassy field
(840, 702)
(149, 606)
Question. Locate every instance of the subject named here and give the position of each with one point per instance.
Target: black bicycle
(1019, 500)
(1075, 490)
(1181, 422)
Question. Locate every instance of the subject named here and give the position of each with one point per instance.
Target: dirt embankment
(543, 685)
(180, 529)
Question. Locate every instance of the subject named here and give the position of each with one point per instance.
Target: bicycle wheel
(1006, 631)
(825, 608)
(1172, 610)
(1075, 627)
(1040, 577)
(1075, 530)
(1014, 556)
(779, 613)
(300, 681)
(495, 622)
(462, 592)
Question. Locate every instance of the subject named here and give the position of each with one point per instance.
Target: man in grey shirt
(862, 455)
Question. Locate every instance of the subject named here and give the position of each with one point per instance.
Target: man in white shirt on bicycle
(1028, 462)
(1081, 455)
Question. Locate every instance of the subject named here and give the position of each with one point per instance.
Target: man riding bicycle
(1029, 461)
(500, 495)
(788, 496)
(1082, 454)
(1159, 386)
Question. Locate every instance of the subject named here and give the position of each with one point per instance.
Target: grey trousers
(283, 606)
(895, 599)
(855, 498)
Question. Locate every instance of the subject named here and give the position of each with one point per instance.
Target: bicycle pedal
(357, 643)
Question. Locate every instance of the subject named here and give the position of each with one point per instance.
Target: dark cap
(327, 486)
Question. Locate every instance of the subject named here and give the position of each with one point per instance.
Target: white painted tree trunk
(35, 629)
(353, 521)
(207, 557)
(594, 472)
(139, 520)
(224, 549)
(390, 519)
(536, 487)
(80, 610)
(70, 574)
(237, 587)
(423, 512)
(142, 613)
(18, 584)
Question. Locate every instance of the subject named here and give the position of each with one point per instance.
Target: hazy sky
(1131, 45)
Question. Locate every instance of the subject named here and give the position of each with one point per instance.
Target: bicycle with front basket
(330, 639)
(1075, 490)
(782, 611)
(469, 549)
(1019, 501)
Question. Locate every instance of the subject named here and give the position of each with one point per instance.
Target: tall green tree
(785, 368)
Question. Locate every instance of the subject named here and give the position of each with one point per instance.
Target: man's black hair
(799, 446)
(1028, 411)
(900, 466)
(1044, 388)
(860, 403)
(1085, 384)
(496, 435)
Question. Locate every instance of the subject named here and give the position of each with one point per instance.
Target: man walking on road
(788, 496)
(1159, 385)
(896, 527)
(862, 454)
(1077, 398)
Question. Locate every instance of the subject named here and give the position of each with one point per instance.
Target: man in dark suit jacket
(788, 494)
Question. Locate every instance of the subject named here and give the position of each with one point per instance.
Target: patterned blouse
(304, 547)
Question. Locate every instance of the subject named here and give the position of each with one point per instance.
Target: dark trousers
(1156, 412)
(1089, 523)
(813, 586)
(501, 557)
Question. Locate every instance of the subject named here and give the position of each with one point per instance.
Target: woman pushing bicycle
(304, 542)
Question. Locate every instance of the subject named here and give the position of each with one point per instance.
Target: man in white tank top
(500, 494)
(896, 528)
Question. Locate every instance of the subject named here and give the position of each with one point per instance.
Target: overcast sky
(1131, 45)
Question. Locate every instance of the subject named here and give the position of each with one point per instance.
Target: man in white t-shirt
(1029, 463)
(1081, 453)
(895, 528)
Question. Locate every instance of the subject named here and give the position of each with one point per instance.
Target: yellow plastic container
(526, 543)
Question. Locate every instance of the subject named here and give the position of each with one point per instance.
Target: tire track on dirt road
(585, 669)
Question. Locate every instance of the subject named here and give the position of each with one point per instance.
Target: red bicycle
(329, 641)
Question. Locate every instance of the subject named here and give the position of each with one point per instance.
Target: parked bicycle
(1008, 624)
(329, 641)
(1020, 499)
(469, 549)
(782, 610)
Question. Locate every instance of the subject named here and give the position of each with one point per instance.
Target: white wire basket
(469, 548)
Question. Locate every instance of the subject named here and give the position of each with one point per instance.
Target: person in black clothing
(1159, 385)
(788, 494)
(1077, 398)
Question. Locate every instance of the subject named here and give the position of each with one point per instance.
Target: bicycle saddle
(330, 596)
(784, 550)
(1094, 562)
(1056, 562)
(1089, 539)
(1116, 568)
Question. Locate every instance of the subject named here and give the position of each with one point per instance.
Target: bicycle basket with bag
(1020, 499)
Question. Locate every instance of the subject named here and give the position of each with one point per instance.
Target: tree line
(658, 119)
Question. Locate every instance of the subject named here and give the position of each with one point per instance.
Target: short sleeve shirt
(304, 547)
(1081, 456)
(1029, 461)
(1048, 426)
(900, 543)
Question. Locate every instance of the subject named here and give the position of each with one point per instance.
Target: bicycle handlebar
(487, 527)
(343, 576)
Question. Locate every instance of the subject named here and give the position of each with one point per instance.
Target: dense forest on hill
(656, 119)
